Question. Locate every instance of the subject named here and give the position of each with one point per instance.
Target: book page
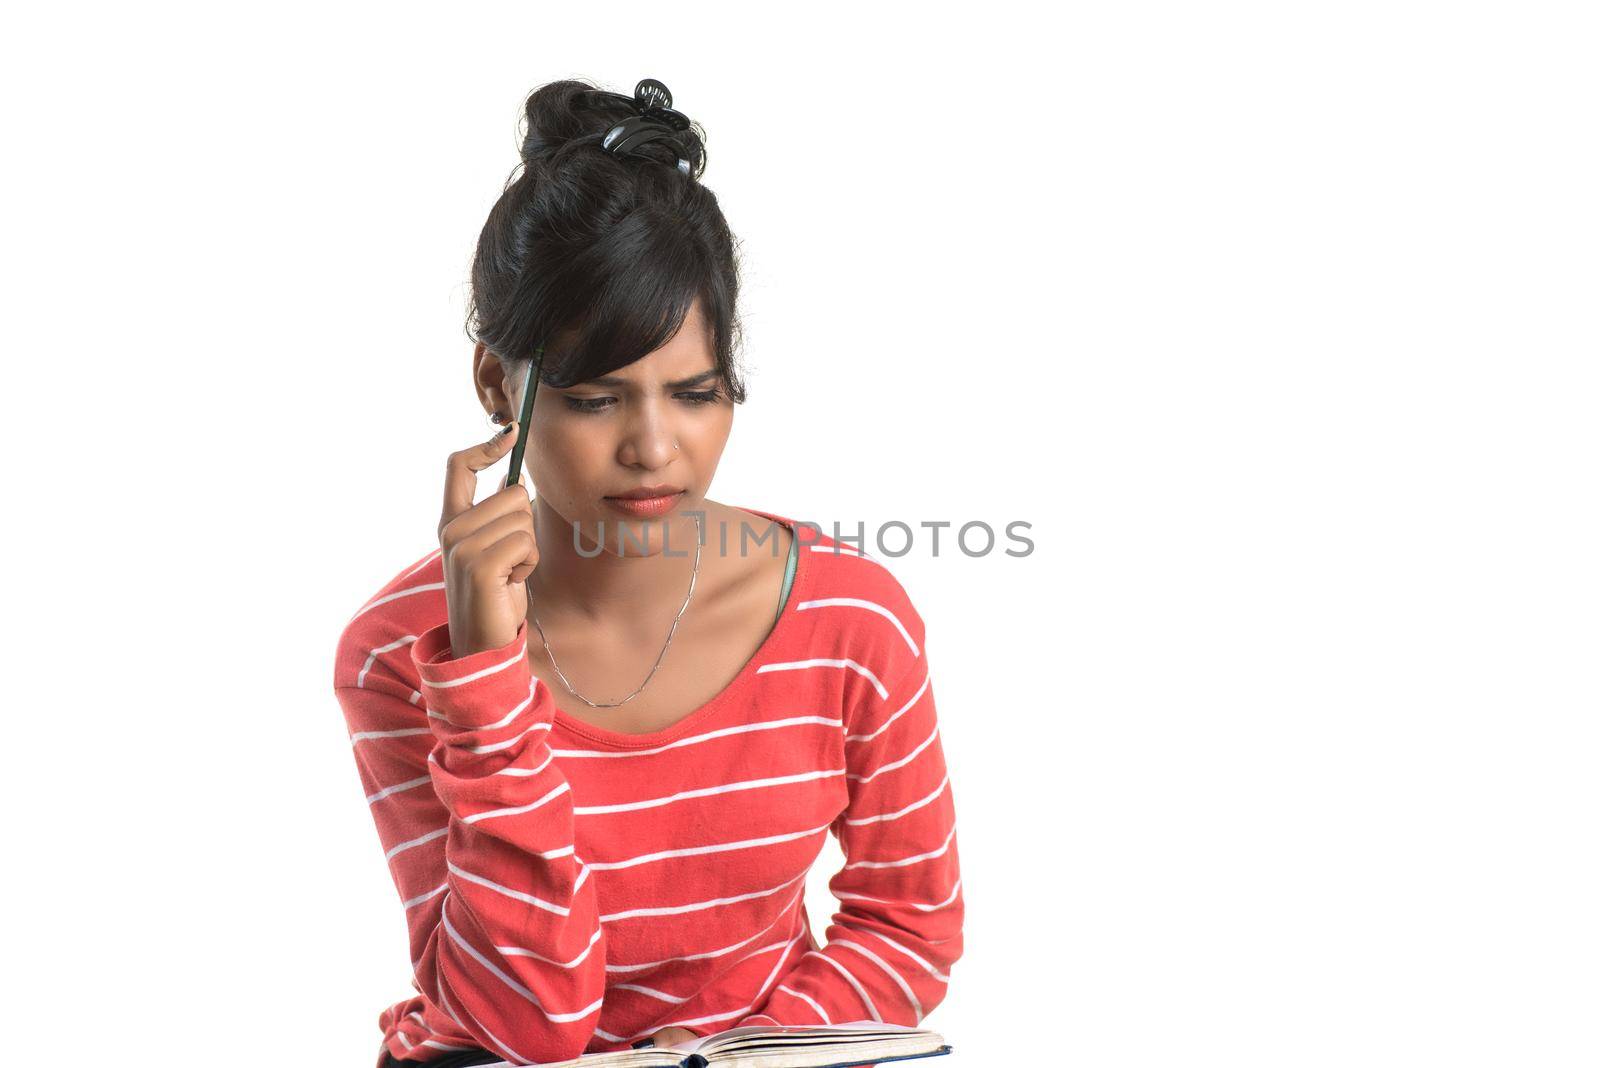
(854, 1031)
(839, 1029)
(649, 1057)
(821, 1050)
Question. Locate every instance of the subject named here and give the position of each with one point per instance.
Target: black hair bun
(567, 115)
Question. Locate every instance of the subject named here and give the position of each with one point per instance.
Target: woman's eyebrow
(619, 383)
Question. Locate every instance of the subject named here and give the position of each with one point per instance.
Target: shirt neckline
(779, 631)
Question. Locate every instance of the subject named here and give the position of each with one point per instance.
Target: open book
(791, 1046)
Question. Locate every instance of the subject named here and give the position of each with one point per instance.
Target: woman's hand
(489, 550)
(671, 1036)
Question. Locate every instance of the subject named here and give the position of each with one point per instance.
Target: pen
(522, 424)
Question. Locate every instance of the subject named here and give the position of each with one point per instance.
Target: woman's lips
(645, 507)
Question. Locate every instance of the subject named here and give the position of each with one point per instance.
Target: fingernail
(643, 1042)
(508, 428)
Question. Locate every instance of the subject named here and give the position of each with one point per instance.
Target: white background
(1276, 321)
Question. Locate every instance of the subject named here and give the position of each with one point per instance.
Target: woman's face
(615, 434)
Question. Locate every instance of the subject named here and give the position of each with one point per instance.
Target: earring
(495, 418)
(674, 445)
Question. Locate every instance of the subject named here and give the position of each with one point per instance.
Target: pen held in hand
(532, 387)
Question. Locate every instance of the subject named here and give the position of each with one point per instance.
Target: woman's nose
(650, 440)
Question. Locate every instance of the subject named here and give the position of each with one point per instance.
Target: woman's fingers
(461, 473)
(671, 1036)
(502, 550)
(489, 550)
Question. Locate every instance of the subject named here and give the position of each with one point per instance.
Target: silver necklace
(698, 539)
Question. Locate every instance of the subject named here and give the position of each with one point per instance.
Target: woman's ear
(489, 379)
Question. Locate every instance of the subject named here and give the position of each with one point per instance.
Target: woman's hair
(599, 256)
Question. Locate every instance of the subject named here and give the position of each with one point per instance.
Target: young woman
(606, 724)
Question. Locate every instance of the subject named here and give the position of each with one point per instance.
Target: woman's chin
(674, 533)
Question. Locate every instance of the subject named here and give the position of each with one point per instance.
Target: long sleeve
(476, 822)
(897, 932)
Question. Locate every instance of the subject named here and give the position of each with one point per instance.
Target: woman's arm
(898, 930)
(476, 823)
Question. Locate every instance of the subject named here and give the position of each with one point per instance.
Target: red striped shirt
(569, 889)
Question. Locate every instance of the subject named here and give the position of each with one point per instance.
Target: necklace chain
(698, 541)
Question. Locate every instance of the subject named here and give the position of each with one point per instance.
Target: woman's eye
(596, 404)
